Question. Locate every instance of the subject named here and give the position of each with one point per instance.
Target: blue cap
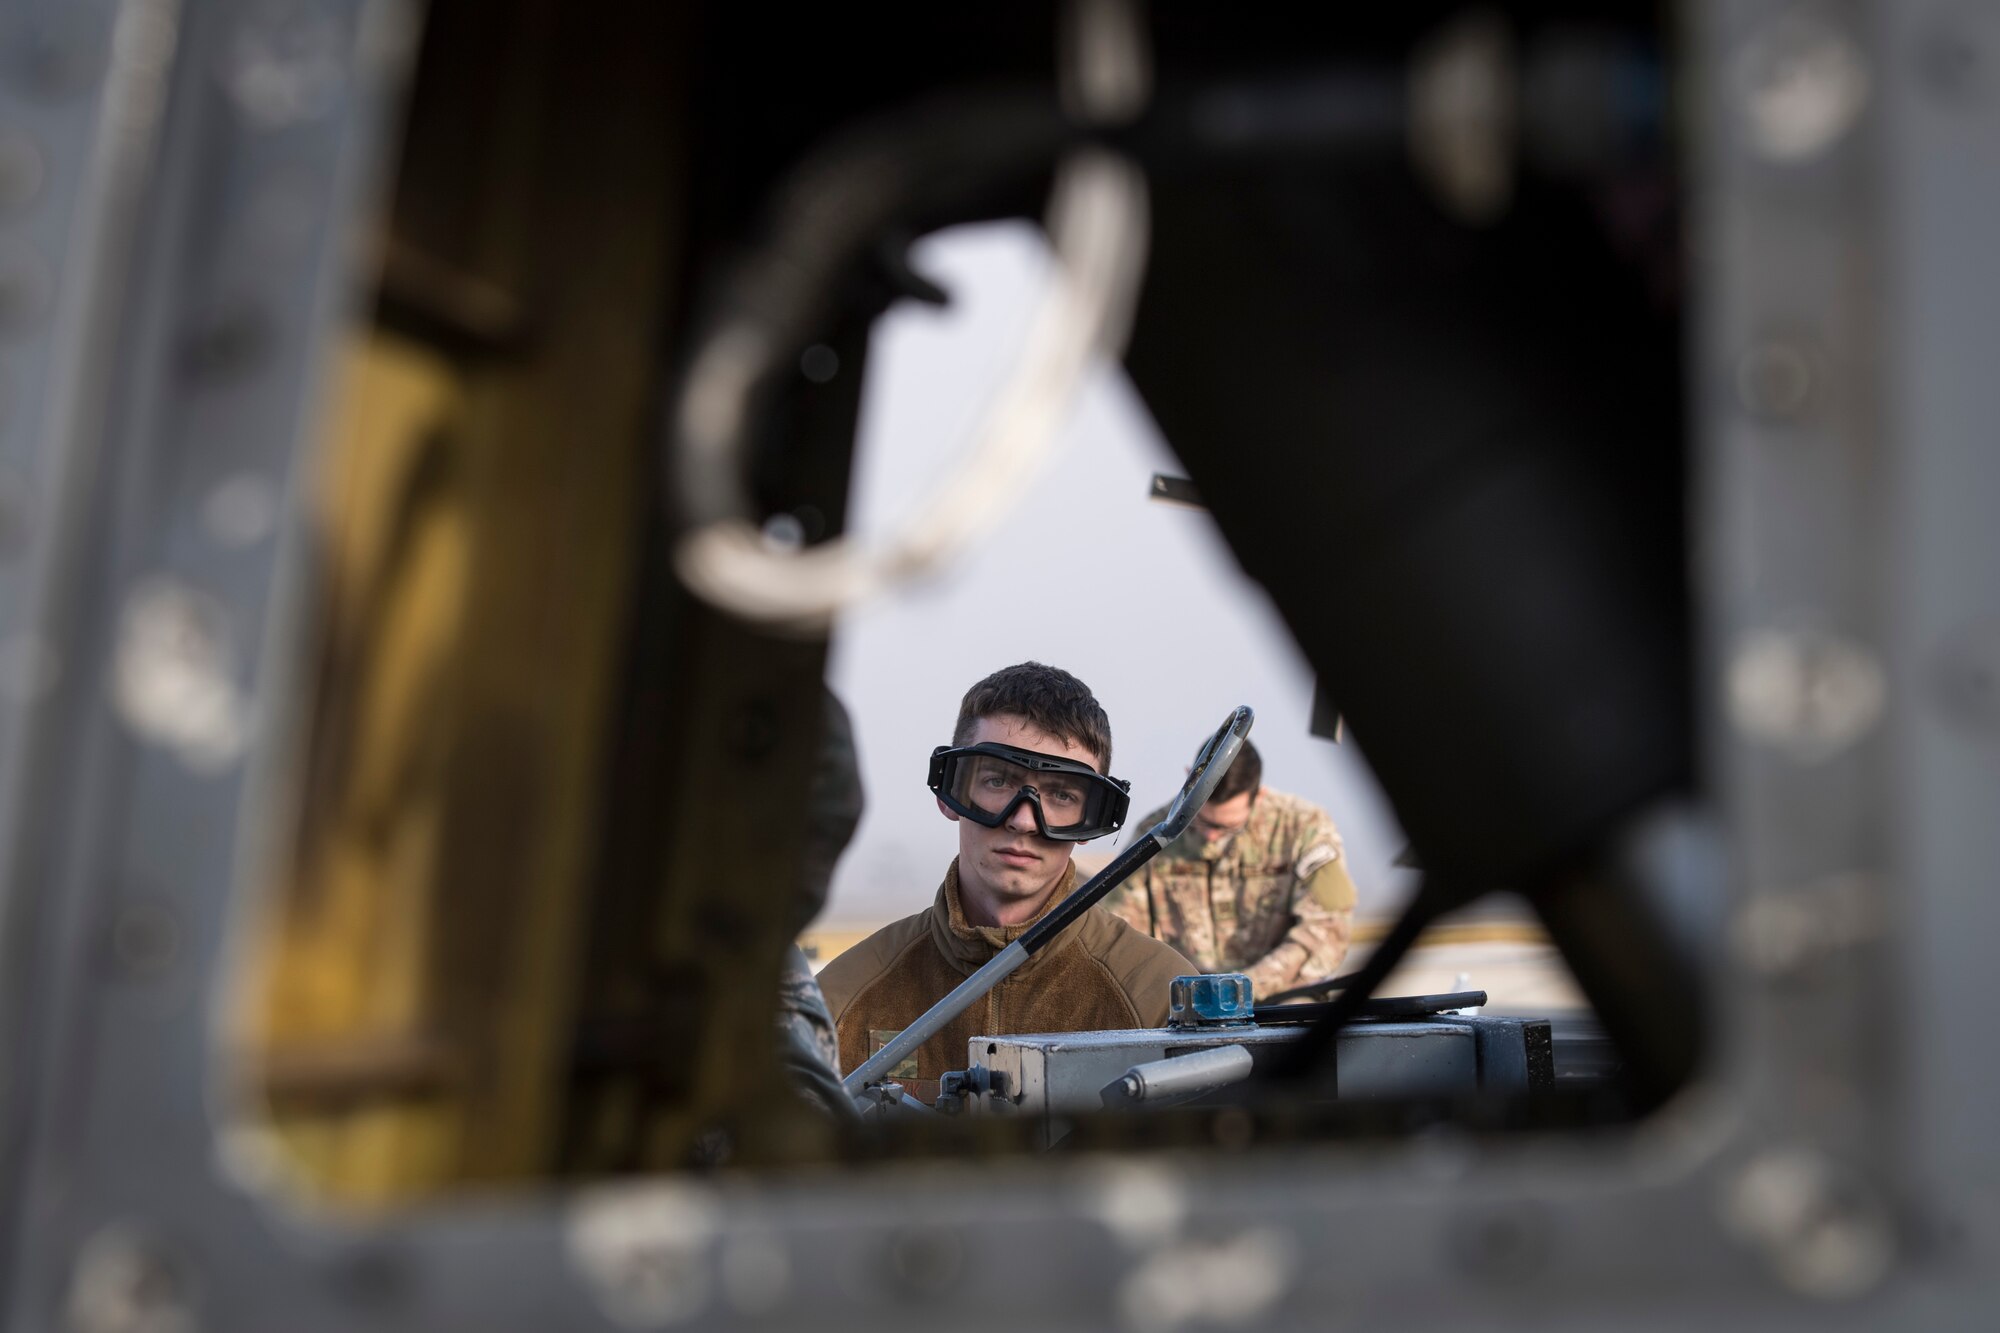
(1210, 998)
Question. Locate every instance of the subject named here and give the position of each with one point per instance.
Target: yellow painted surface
(343, 954)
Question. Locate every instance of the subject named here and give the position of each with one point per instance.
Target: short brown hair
(1048, 697)
(1245, 773)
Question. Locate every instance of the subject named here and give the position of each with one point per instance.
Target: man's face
(1013, 863)
(1219, 821)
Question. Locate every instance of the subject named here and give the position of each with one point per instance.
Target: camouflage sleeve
(1131, 902)
(807, 1047)
(1322, 915)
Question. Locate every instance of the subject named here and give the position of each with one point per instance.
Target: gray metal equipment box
(1052, 1077)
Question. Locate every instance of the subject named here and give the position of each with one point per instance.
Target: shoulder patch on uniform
(880, 1037)
(1317, 856)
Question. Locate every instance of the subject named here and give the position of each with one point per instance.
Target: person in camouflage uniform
(1257, 884)
(807, 1047)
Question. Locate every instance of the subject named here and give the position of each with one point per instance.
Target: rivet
(1966, 679)
(1952, 57)
(784, 532)
(123, 1282)
(1775, 381)
(1234, 1282)
(241, 511)
(226, 342)
(1810, 694)
(286, 63)
(1141, 1204)
(1802, 83)
(644, 1251)
(819, 363)
(1778, 933)
(1822, 1229)
(174, 679)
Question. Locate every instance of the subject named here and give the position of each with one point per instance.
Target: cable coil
(1098, 223)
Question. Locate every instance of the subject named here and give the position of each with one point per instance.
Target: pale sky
(1141, 600)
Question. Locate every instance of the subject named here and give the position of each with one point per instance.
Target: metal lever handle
(1178, 1078)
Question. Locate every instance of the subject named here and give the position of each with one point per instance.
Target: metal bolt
(174, 680)
(644, 1251)
(241, 511)
(1229, 1282)
(287, 62)
(1775, 381)
(125, 1283)
(819, 363)
(1141, 1204)
(1952, 57)
(1802, 83)
(1778, 934)
(1810, 694)
(1966, 681)
(784, 532)
(1823, 1230)
(225, 342)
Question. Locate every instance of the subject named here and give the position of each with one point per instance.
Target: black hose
(903, 172)
(1389, 1006)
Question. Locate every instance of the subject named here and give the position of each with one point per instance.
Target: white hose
(1098, 224)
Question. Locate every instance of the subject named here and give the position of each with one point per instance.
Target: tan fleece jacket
(1100, 973)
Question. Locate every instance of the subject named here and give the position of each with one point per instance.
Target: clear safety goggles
(987, 782)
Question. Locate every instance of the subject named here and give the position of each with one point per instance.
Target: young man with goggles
(1025, 781)
(988, 782)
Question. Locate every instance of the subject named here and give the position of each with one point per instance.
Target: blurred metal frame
(1833, 1168)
